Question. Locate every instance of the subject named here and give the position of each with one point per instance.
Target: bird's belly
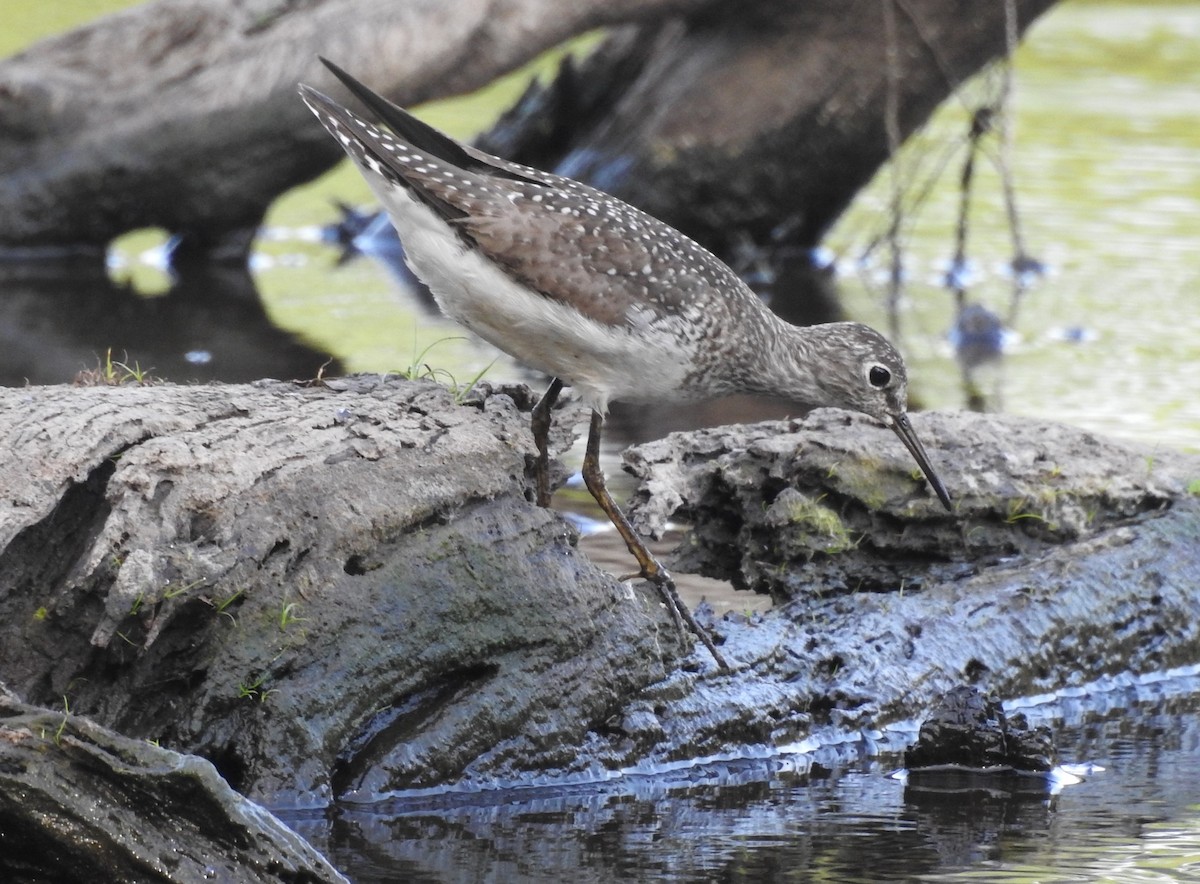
(602, 362)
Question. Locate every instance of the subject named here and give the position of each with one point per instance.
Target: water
(831, 816)
(1107, 170)
(1106, 164)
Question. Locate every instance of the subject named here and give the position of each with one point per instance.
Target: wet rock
(970, 729)
(81, 803)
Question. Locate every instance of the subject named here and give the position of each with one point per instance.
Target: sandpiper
(600, 296)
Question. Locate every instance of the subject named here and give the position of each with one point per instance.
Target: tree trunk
(763, 121)
(741, 116)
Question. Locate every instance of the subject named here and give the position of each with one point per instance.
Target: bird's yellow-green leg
(652, 569)
(541, 438)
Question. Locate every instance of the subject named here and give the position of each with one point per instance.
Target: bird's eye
(879, 376)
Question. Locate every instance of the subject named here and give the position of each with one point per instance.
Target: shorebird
(600, 296)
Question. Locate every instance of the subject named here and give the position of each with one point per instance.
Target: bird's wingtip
(417, 133)
(314, 98)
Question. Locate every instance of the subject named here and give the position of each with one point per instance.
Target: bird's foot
(684, 621)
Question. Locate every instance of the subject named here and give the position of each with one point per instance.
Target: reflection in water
(978, 338)
(970, 827)
(58, 319)
(361, 232)
(792, 819)
(1107, 163)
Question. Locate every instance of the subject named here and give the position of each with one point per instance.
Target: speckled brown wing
(601, 256)
(554, 271)
(571, 243)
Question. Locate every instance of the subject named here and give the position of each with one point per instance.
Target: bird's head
(859, 369)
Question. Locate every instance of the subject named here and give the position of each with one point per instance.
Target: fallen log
(340, 593)
(79, 802)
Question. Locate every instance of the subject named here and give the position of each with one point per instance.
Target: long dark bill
(908, 436)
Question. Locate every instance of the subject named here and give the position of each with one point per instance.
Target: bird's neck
(790, 363)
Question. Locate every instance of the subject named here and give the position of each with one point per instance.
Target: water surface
(833, 815)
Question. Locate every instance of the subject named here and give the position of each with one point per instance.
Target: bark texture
(340, 594)
(199, 128)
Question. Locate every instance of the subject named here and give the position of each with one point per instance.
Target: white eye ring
(878, 376)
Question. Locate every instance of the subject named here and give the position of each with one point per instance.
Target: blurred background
(1104, 175)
